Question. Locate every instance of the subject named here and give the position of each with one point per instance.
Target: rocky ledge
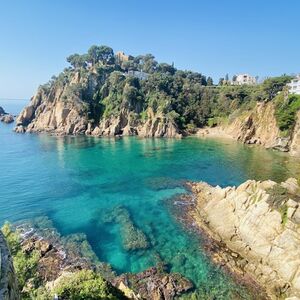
(256, 228)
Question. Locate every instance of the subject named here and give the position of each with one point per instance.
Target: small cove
(77, 181)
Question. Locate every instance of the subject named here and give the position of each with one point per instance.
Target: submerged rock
(132, 237)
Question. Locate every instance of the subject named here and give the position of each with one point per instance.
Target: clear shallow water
(75, 181)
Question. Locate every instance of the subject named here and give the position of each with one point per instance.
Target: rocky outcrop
(258, 225)
(154, 284)
(61, 110)
(257, 126)
(5, 117)
(156, 125)
(8, 118)
(8, 282)
(51, 112)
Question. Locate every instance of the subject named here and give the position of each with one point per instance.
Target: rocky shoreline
(252, 230)
(216, 250)
(60, 257)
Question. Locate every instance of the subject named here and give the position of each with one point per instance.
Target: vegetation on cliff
(109, 85)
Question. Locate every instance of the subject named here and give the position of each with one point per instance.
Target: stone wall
(8, 281)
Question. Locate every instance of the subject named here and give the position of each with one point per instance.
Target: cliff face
(258, 222)
(61, 110)
(258, 126)
(8, 281)
(295, 141)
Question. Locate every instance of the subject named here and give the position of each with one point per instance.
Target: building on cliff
(241, 79)
(138, 74)
(294, 85)
(121, 56)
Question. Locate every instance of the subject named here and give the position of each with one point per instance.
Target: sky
(259, 37)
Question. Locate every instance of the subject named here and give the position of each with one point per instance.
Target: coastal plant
(86, 284)
(278, 196)
(283, 212)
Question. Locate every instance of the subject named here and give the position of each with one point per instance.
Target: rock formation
(8, 282)
(5, 117)
(60, 110)
(154, 284)
(257, 225)
(258, 126)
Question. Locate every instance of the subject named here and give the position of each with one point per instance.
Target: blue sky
(211, 37)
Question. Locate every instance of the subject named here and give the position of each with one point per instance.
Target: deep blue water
(76, 181)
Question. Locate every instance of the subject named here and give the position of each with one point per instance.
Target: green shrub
(86, 284)
(283, 211)
(286, 111)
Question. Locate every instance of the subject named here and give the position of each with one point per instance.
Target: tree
(227, 77)
(234, 77)
(102, 54)
(272, 86)
(209, 81)
(166, 68)
(221, 81)
(77, 61)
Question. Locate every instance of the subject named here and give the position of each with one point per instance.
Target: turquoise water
(76, 181)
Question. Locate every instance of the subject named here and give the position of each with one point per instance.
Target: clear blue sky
(260, 37)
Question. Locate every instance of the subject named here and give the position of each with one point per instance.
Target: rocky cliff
(8, 281)
(69, 109)
(259, 126)
(258, 226)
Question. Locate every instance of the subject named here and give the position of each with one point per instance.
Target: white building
(241, 79)
(294, 85)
